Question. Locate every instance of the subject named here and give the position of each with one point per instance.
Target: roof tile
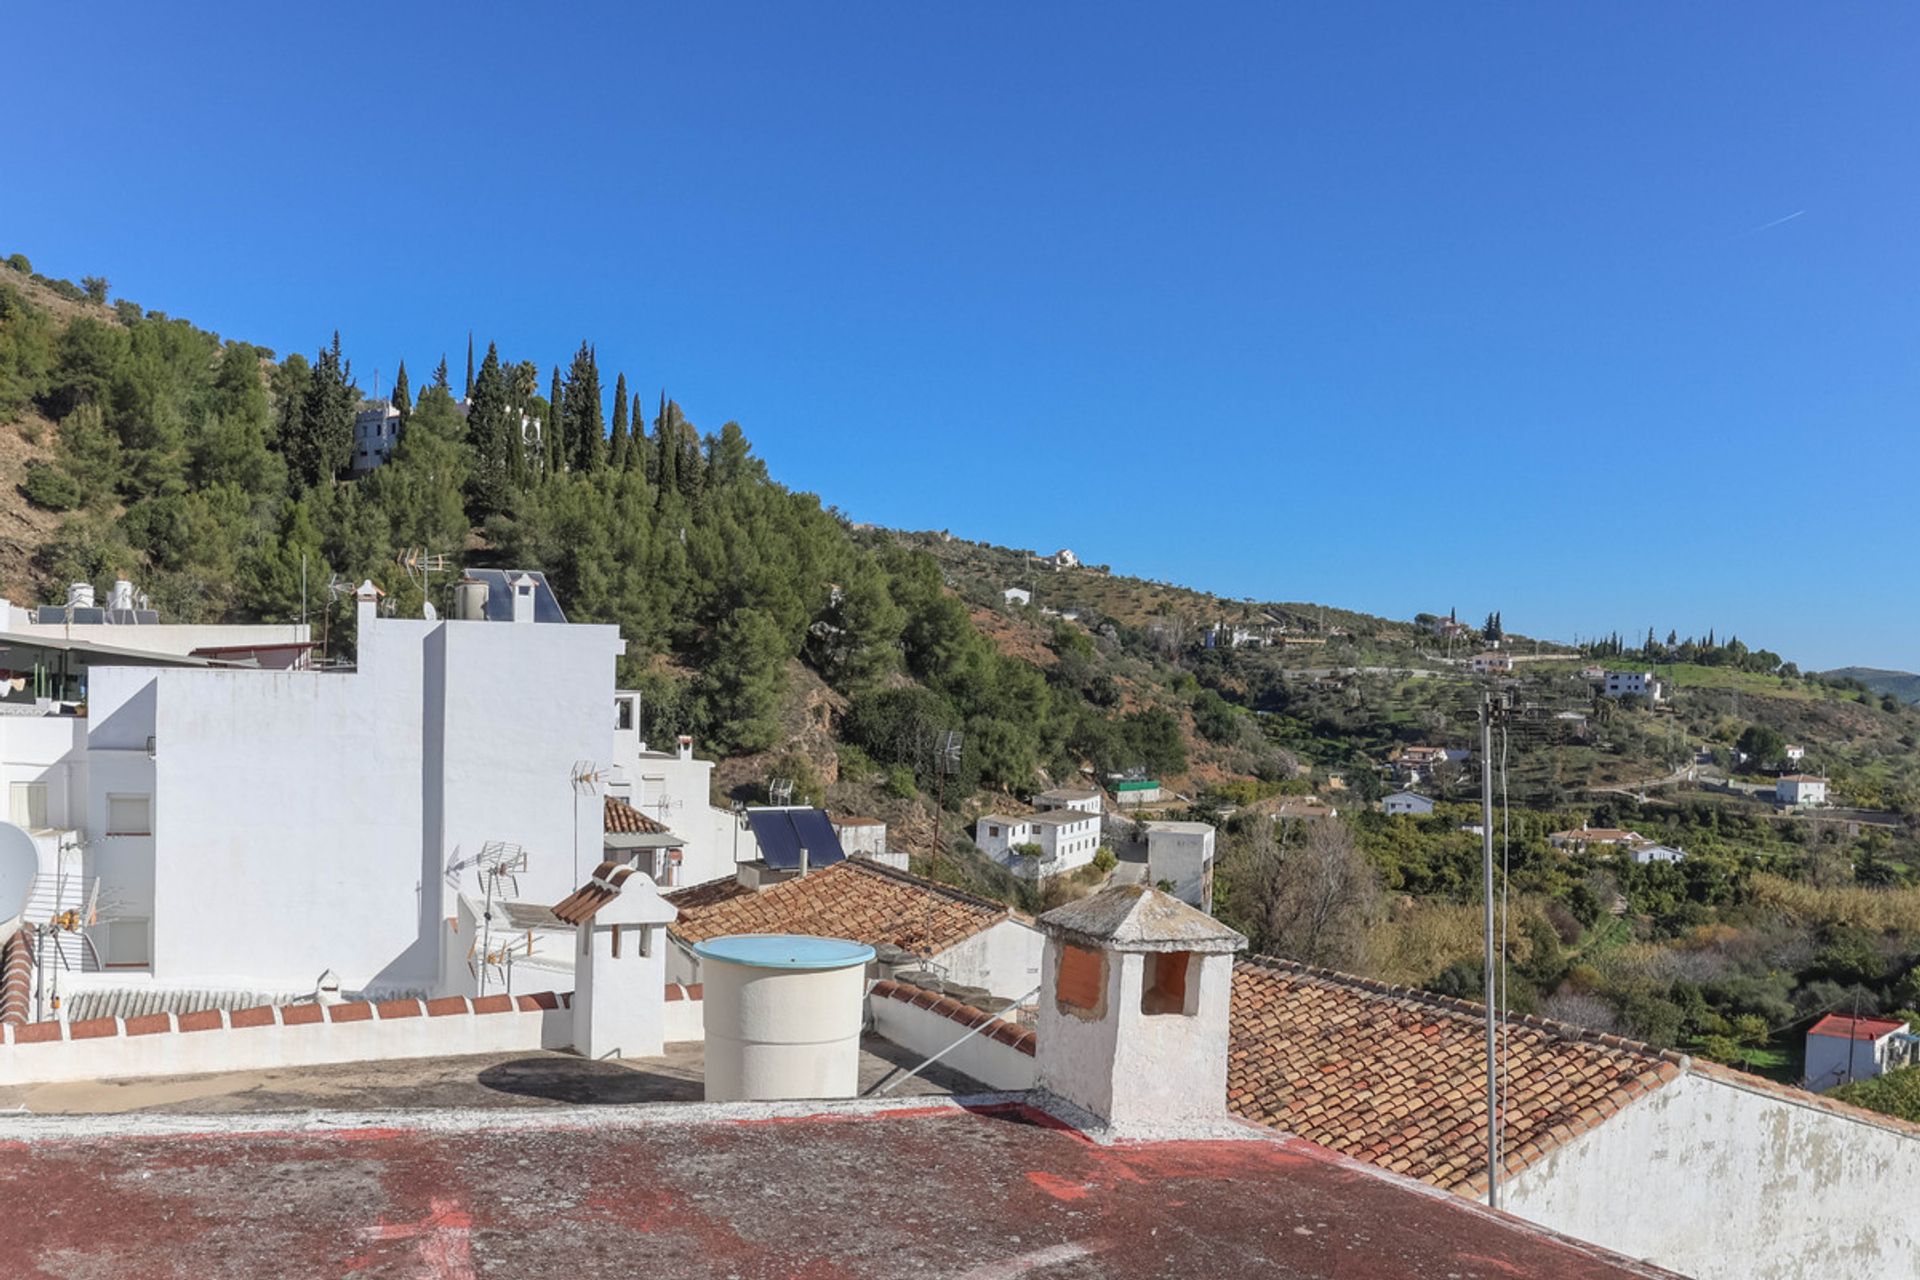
(856, 899)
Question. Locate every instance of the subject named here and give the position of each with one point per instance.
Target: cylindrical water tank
(470, 600)
(782, 1016)
(80, 595)
(122, 598)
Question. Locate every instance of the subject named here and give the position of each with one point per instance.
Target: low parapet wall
(282, 1036)
(998, 1054)
(686, 1013)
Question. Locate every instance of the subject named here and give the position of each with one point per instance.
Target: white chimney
(620, 963)
(366, 606)
(686, 746)
(1133, 1020)
(523, 591)
(326, 990)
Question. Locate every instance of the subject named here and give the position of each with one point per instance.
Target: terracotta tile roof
(583, 903)
(694, 897)
(857, 899)
(623, 819)
(1393, 1075)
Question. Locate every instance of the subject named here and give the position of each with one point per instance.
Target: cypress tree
(489, 420)
(585, 428)
(617, 437)
(637, 446)
(440, 377)
(322, 438)
(666, 450)
(553, 435)
(469, 391)
(402, 396)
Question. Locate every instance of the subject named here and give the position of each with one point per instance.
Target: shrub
(1105, 859)
(50, 488)
(1029, 850)
(19, 263)
(900, 782)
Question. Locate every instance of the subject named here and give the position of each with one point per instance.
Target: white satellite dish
(19, 864)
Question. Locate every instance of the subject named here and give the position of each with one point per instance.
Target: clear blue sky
(1395, 307)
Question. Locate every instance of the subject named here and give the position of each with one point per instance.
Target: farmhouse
(1800, 790)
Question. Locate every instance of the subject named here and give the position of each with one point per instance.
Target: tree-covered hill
(1904, 685)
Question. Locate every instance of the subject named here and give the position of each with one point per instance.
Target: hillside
(1904, 685)
(795, 646)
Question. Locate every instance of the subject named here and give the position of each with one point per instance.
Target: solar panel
(782, 833)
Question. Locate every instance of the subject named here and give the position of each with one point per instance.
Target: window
(623, 715)
(1166, 985)
(28, 801)
(129, 815)
(1082, 981)
(993, 831)
(126, 946)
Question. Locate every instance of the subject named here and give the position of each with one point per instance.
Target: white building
(1842, 1049)
(1017, 595)
(125, 627)
(675, 788)
(1180, 855)
(254, 828)
(1492, 662)
(1067, 839)
(1794, 754)
(1062, 559)
(1632, 684)
(1800, 789)
(376, 430)
(1406, 802)
(867, 838)
(1646, 853)
(1083, 799)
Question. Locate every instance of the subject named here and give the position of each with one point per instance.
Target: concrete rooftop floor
(919, 1189)
(504, 1080)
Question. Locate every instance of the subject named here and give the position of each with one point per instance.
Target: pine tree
(321, 440)
(554, 435)
(402, 396)
(585, 432)
(440, 377)
(617, 437)
(469, 391)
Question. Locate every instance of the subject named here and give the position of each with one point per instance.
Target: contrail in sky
(1777, 221)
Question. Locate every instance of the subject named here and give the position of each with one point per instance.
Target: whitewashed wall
(925, 1032)
(1724, 1182)
(302, 820)
(1003, 958)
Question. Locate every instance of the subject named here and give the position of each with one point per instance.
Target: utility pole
(1491, 704)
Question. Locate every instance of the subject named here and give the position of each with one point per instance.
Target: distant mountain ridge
(1904, 685)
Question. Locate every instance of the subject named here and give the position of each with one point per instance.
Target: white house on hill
(1800, 789)
(1406, 802)
(1067, 838)
(1842, 1049)
(1180, 855)
(1632, 684)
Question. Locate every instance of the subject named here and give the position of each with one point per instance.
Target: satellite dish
(19, 864)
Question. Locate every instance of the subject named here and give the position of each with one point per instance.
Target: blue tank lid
(784, 951)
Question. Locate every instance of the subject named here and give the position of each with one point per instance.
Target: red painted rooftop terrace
(913, 1190)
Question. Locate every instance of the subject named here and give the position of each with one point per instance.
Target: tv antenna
(586, 780)
(498, 863)
(421, 565)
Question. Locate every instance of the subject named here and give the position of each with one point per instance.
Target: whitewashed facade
(1068, 839)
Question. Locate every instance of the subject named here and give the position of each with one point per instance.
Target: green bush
(50, 488)
(900, 782)
(19, 263)
(1105, 859)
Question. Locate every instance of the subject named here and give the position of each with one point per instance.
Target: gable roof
(1134, 917)
(1843, 1027)
(623, 819)
(857, 899)
(1394, 1076)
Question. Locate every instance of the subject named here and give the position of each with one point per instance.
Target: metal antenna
(585, 779)
(1492, 706)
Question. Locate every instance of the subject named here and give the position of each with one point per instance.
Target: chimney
(620, 963)
(686, 746)
(523, 591)
(1133, 1010)
(366, 605)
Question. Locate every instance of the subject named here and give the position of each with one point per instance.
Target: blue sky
(1394, 307)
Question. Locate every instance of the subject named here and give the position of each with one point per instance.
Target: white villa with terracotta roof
(1067, 839)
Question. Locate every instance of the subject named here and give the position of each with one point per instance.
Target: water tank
(470, 600)
(782, 1016)
(122, 597)
(80, 595)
